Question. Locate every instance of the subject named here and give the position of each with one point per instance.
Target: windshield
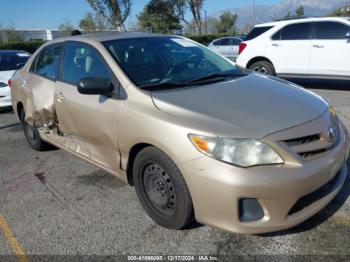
(11, 60)
(159, 60)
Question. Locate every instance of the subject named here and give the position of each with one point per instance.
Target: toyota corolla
(198, 137)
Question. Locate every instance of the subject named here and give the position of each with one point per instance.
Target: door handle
(276, 45)
(318, 46)
(59, 97)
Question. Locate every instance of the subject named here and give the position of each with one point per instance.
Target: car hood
(252, 106)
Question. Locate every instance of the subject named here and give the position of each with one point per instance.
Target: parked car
(299, 48)
(197, 136)
(227, 46)
(9, 62)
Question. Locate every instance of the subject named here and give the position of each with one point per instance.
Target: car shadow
(10, 126)
(321, 216)
(6, 110)
(323, 84)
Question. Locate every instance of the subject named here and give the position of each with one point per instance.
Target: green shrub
(206, 39)
(29, 47)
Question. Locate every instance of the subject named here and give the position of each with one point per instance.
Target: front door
(330, 50)
(289, 49)
(88, 122)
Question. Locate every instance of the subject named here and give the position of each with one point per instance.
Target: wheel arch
(258, 58)
(19, 109)
(134, 150)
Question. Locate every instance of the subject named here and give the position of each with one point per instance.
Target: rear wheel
(263, 67)
(33, 137)
(161, 189)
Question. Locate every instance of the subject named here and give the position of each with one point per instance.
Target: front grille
(315, 195)
(311, 147)
(302, 140)
(310, 154)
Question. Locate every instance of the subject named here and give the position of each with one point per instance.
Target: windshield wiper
(157, 86)
(214, 76)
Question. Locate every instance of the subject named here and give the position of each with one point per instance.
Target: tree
(299, 12)
(180, 8)
(226, 21)
(9, 32)
(343, 11)
(196, 7)
(88, 24)
(66, 27)
(115, 11)
(288, 15)
(159, 15)
(93, 22)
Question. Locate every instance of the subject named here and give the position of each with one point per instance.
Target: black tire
(33, 137)
(155, 174)
(263, 67)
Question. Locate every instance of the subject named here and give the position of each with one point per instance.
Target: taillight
(9, 82)
(242, 46)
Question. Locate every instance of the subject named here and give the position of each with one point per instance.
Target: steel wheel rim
(159, 188)
(261, 69)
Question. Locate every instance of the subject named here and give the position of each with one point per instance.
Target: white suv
(299, 48)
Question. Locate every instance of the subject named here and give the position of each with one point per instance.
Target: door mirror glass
(95, 86)
(20, 65)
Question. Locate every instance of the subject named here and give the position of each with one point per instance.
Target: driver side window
(80, 61)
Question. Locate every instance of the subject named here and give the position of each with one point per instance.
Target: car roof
(307, 19)
(108, 36)
(12, 52)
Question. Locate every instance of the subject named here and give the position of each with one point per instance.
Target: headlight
(240, 152)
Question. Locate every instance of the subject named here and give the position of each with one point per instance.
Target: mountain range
(266, 13)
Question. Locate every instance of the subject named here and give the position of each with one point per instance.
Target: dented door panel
(39, 104)
(88, 124)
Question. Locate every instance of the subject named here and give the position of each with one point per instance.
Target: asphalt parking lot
(55, 203)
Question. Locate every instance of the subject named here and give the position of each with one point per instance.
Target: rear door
(289, 49)
(39, 85)
(88, 122)
(233, 47)
(220, 46)
(330, 50)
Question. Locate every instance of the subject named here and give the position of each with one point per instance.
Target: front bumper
(216, 189)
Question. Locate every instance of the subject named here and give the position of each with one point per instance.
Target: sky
(48, 14)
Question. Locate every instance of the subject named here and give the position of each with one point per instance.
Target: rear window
(257, 31)
(11, 61)
(300, 31)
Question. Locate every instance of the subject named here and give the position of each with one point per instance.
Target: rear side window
(234, 41)
(257, 31)
(11, 61)
(300, 31)
(82, 61)
(46, 63)
(330, 30)
(221, 42)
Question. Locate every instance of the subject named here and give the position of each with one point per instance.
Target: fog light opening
(249, 209)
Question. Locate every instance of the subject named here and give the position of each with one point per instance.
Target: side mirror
(20, 65)
(94, 86)
(347, 35)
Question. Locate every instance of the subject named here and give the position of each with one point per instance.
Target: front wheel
(162, 189)
(263, 67)
(33, 137)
